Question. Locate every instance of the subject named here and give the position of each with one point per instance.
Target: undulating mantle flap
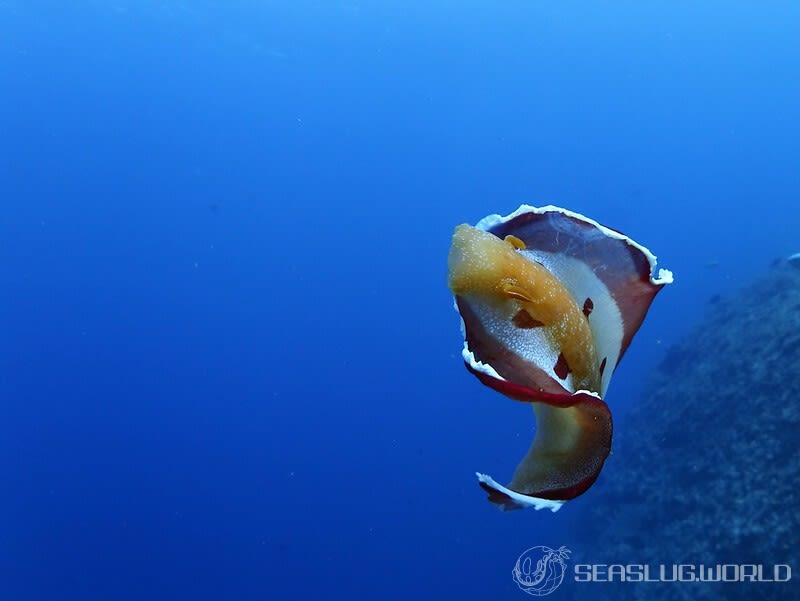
(550, 301)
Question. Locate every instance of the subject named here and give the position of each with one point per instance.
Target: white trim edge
(524, 500)
(664, 276)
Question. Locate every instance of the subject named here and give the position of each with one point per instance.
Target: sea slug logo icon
(540, 570)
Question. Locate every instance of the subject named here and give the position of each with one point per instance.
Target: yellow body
(489, 270)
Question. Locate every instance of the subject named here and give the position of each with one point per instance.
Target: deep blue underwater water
(230, 366)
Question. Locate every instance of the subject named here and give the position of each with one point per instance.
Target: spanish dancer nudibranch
(549, 302)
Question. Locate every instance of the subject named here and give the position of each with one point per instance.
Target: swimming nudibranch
(550, 301)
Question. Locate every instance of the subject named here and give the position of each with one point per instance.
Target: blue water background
(230, 367)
